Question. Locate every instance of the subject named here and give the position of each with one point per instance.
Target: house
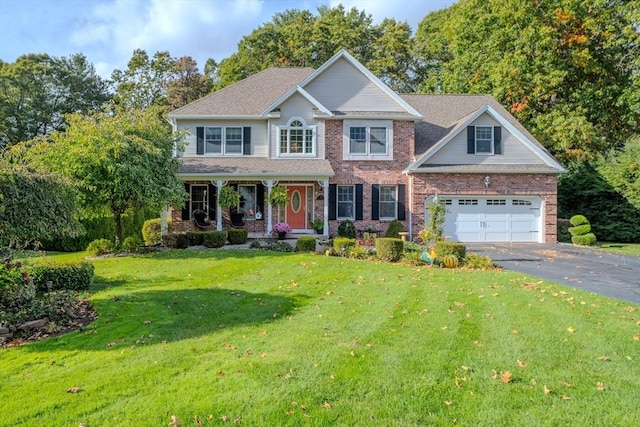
(346, 146)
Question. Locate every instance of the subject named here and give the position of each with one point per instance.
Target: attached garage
(473, 218)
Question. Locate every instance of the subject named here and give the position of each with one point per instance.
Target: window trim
(491, 141)
(395, 202)
(304, 128)
(223, 135)
(353, 202)
(368, 125)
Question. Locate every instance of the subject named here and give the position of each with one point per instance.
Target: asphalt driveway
(593, 270)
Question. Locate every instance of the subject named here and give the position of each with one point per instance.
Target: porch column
(325, 208)
(269, 207)
(219, 185)
(163, 221)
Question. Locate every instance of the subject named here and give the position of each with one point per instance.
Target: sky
(108, 31)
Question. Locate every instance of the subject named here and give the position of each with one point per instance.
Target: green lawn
(265, 338)
(621, 248)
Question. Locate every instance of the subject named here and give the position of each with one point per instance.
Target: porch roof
(254, 168)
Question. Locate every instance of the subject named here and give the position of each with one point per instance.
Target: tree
(568, 70)
(34, 207)
(117, 159)
(299, 38)
(621, 169)
(185, 83)
(36, 91)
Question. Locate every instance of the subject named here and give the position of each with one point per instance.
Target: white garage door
(492, 219)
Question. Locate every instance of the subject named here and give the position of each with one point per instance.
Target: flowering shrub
(282, 227)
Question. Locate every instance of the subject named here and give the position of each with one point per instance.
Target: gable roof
(297, 90)
(448, 115)
(246, 98)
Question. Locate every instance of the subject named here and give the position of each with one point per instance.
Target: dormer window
(484, 139)
(297, 138)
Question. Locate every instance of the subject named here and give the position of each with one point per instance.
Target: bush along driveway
(590, 269)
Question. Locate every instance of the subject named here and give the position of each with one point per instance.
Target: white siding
(297, 106)
(259, 142)
(342, 87)
(513, 151)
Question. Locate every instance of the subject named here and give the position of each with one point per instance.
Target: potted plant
(318, 225)
(282, 228)
(278, 198)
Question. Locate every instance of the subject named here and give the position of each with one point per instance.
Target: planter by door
(281, 236)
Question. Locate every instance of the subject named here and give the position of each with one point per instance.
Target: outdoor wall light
(487, 181)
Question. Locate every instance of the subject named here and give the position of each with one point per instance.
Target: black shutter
(212, 193)
(333, 194)
(375, 201)
(199, 140)
(359, 216)
(497, 140)
(260, 198)
(246, 140)
(402, 195)
(471, 140)
(186, 215)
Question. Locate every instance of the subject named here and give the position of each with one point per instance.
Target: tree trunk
(117, 223)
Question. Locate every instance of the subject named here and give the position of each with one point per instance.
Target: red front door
(297, 207)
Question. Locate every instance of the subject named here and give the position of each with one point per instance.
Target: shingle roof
(443, 114)
(248, 97)
(239, 167)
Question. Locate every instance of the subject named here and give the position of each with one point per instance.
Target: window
(199, 198)
(484, 139)
(388, 202)
(297, 138)
(467, 202)
(346, 202)
(368, 140)
(222, 140)
(247, 204)
(517, 202)
(496, 202)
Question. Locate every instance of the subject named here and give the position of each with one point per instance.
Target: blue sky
(107, 31)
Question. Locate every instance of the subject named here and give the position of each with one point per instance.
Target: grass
(296, 339)
(621, 248)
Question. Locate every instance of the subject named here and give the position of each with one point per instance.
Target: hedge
(214, 239)
(67, 276)
(306, 244)
(343, 244)
(450, 248)
(176, 241)
(395, 227)
(389, 248)
(237, 236)
(196, 238)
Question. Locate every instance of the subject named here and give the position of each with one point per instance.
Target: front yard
(263, 338)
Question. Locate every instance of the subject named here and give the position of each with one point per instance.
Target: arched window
(297, 138)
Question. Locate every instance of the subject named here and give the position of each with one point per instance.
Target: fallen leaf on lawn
(459, 304)
(352, 353)
(111, 344)
(604, 358)
(326, 404)
(636, 337)
(570, 330)
(175, 422)
(263, 333)
(506, 377)
(465, 368)
(197, 420)
(74, 390)
(546, 390)
(147, 322)
(600, 386)
(565, 397)
(82, 425)
(210, 417)
(521, 364)
(220, 374)
(564, 383)
(515, 332)
(224, 418)
(263, 355)
(448, 402)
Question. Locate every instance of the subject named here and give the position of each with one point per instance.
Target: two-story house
(346, 146)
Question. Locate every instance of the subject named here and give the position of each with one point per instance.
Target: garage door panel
(490, 219)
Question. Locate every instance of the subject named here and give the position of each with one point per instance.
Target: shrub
(176, 241)
(581, 231)
(16, 287)
(67, 276)
(131, 244)
(238, 236)
(100, 247)
(280, 246)
(196, 238)
(451, 248)
(255, 244)
(413, 258)
(306, 244)
(563, 230)
(389, 248)
(151, 232)
(347, 229)
(357, 252)
(214, 239)
(342, 245)
(588, 239)
(478, 262)
(395, 227)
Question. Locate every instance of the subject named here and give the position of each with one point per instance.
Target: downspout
(410, 207)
